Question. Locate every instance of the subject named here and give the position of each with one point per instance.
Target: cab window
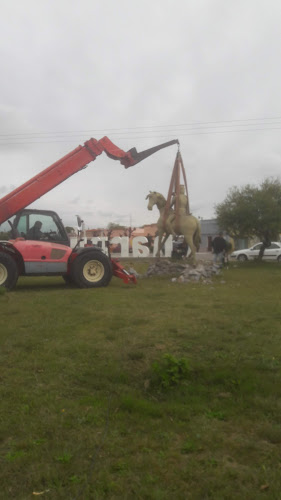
(47, 227)
(22, 226)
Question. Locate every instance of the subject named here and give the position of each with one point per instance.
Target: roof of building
(139, 231)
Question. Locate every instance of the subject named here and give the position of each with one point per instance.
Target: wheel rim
(93, 271)
(3, 274)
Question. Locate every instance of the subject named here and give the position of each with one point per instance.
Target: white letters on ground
(138, 247)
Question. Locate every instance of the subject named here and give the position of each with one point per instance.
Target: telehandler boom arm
(74, 161)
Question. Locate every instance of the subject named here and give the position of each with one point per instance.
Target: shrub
(170, 371)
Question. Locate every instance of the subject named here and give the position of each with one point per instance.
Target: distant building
(209, 229)
(145, 230)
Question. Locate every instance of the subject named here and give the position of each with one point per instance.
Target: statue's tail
(197, 236)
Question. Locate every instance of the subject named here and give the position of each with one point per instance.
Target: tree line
(252, 211)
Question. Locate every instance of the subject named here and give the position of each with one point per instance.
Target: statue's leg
(161, 243)
(160, 236)
(189, 241)
(170, 225)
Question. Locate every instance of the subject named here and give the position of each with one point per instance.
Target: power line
(178, 136)
(168, 130)
(124, 130)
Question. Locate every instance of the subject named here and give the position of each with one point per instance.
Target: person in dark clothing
(219, 247)
(35, 232)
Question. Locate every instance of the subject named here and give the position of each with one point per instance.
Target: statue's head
(154, 198)
(182, 189)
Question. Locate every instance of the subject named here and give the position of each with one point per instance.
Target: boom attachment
(64, 168)
(138, 157)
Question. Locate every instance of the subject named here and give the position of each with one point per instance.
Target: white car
(271, 253)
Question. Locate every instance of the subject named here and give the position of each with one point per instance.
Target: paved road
(205, 255)
(199, 255)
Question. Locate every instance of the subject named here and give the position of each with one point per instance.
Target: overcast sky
(141, 72)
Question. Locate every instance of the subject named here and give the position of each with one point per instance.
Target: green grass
(83, 415)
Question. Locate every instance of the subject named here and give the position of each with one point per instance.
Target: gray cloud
(7, 189)
(141, 73)
(75, 201)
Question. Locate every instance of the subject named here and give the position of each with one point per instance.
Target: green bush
(170, 371)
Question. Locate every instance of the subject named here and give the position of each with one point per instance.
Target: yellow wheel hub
(93, 271)
(3, 274)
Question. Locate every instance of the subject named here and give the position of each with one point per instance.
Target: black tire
(91, 270)
(8, 271)
(242, 257)
(279, 258)
(67, 278)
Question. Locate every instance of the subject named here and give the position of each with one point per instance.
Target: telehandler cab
(39, 244)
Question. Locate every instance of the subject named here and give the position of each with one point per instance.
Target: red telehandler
(39, 244)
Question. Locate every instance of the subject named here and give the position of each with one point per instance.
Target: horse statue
(188, 225)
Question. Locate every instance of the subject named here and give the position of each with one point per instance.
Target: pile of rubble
(184, 272)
